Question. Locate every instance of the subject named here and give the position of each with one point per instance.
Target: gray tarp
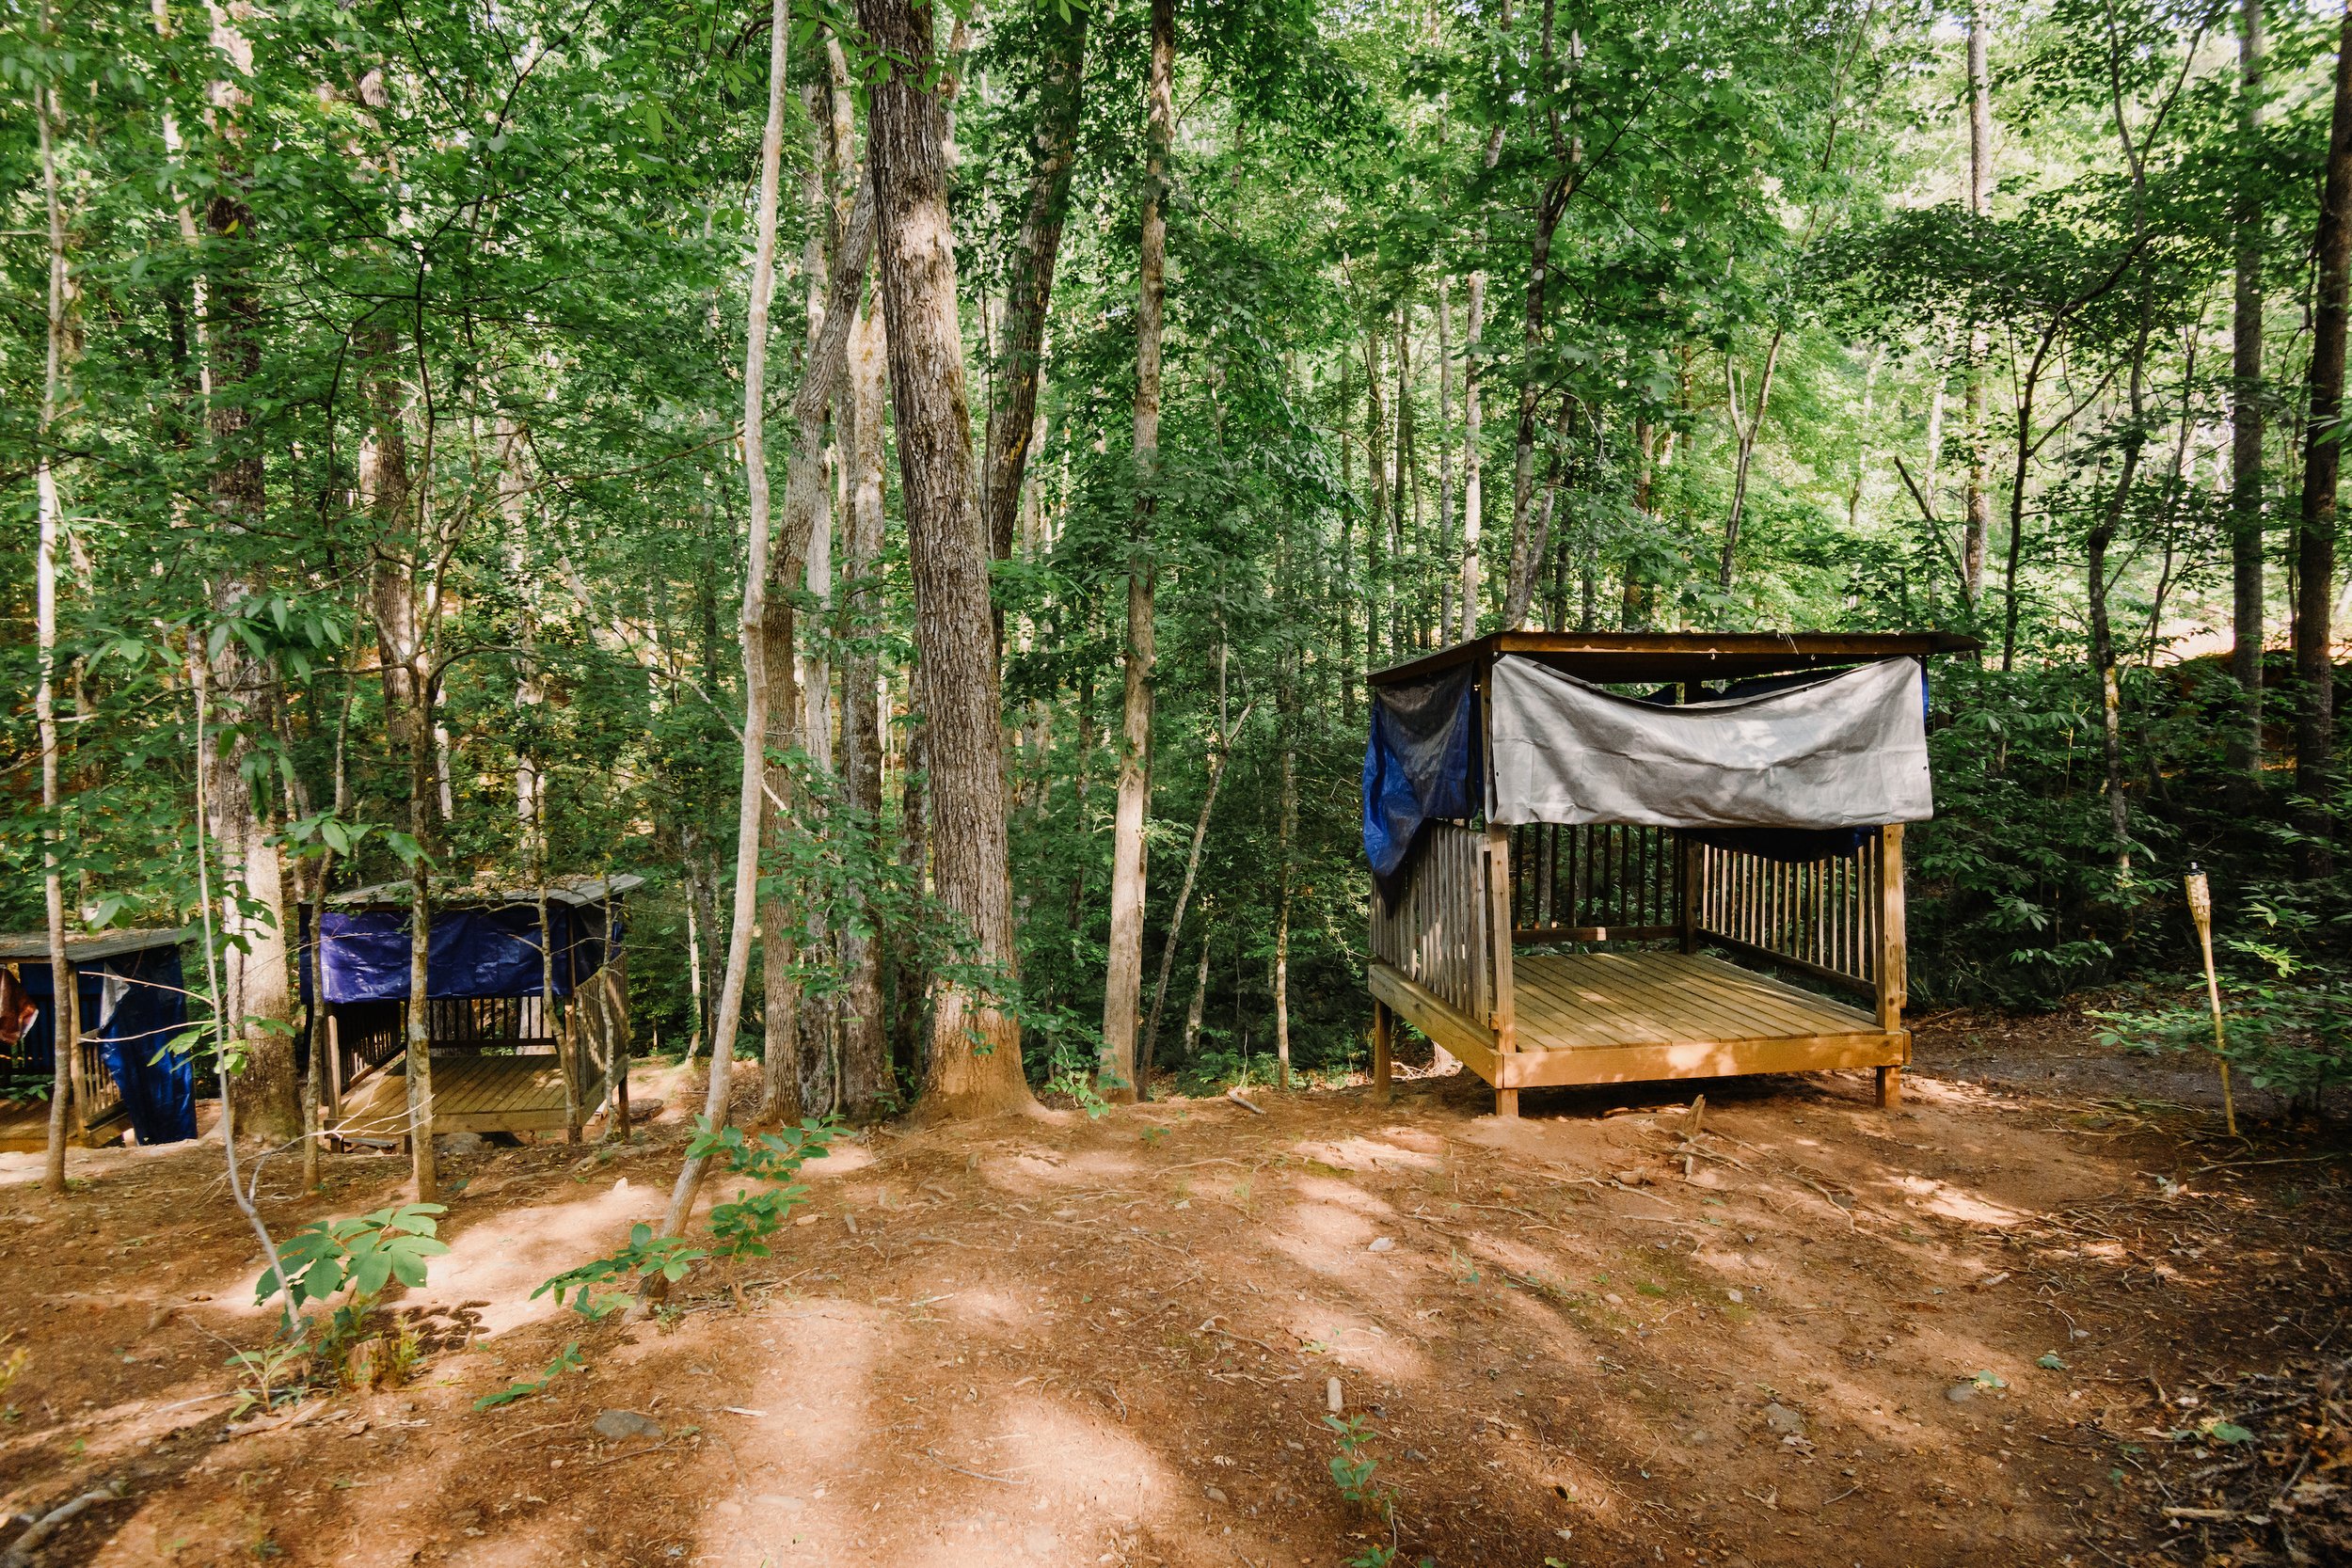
(1850, 751)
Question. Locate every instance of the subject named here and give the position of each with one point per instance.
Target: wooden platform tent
(501, 1049)
(1575, 885)
(131, 1005)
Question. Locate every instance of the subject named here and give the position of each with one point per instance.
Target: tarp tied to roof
(1847, 751)
(1420, 762)
(473, 953)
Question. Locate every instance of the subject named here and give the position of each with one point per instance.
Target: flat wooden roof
(18, 947)
(1612, 657)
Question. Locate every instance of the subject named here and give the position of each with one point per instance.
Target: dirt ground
(2015, 1321)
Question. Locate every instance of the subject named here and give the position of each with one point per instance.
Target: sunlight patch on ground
(502, 1257)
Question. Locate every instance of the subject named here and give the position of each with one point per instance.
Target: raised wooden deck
(471, 1093)
(1614, 1017)
(25, 1127)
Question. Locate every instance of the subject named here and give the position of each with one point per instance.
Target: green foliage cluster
(493, 272)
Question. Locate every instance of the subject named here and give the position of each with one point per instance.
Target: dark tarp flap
(475, 953)
(133, 1004)
(1420, 762)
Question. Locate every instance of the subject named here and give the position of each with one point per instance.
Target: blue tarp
(475, 952)
(133, 1004)
(1423, 762)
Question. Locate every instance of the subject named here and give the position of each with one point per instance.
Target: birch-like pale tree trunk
(751, 624)
(65, 1032)
(1123, 985)
(1977, 499)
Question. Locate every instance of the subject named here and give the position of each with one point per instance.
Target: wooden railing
(1440, 934)
(1595, 883)
(367, 1036)
(1839, 920)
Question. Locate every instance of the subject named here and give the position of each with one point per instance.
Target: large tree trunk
(2246, 429)
(865, 1047)
(1979, 503)
(1123, 984)
(753, 629)
(974, 1067)
(385, 491)
(268, 1103)
(1028, 293)
(2316, 552)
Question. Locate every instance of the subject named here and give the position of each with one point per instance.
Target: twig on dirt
(1235, 1095)
(48, 1524)
(975, 1475)
(1210, 1327)
(633, 1453)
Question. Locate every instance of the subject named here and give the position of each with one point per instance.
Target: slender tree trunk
(417, 1015)
(1525, 559)
(1123, 965)
(753, 630)
(1745, 427)
(865, 1047)
(1449, 629)
(1218, 758)
(65, 1033)
(1403, 487)
(2103, 655)
(1473, 498)
(1978, 504)
(1633, 612)
(974, 1065)
(2246, 427)
(1029, 291)
(1200, 989)
(1287, 831)
(2316, 551)
(1376, 488)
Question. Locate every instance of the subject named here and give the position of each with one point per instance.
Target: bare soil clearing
(1935, 1336)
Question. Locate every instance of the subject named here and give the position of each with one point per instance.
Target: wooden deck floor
(1617, 1018)
(471, 1093)
(25, 1128)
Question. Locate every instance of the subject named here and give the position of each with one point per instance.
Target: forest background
(372, 385)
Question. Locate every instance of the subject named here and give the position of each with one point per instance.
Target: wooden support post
(1890, 1087)
(334, 1065)
(1692, 869)
(1383, 1028)
(1892, 977)
(1504, 1021)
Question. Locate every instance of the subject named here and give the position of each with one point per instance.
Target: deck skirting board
(1637, 1063)
(1623, 1018)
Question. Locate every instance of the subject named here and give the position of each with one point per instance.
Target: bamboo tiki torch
(2201, 908)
